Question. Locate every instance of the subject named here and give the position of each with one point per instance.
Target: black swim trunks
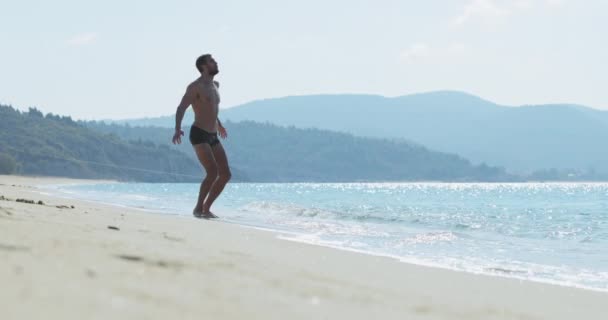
(198, 136)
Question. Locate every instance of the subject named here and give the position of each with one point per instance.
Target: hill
(522, 139)
(270, 153)
(34, 144)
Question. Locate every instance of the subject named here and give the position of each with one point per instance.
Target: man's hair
(200, 61)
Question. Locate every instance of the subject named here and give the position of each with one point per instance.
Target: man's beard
(214, 72)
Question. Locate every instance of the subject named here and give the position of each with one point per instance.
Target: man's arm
(187, 100)
(222, 131)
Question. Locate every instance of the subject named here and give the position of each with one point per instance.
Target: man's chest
(208, 94)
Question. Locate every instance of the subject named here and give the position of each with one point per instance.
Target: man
(204, 97)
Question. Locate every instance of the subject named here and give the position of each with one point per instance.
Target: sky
(125, 59)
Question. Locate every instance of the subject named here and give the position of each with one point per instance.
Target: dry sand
(97, 261)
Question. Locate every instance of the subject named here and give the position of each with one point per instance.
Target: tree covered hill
(521, 139)
(271, 153)
(35, 144)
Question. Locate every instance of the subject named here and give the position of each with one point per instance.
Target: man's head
(206, 64)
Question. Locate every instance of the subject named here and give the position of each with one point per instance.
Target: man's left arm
(221, 130)
(220, 127)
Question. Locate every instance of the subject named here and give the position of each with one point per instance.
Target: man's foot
(209, 215)
(203, 215)
(207, 212)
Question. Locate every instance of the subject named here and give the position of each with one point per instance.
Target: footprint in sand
(171, 238)
(10, 247)
(90, 273)
(130, 257)
(155, 263)
(6, 211)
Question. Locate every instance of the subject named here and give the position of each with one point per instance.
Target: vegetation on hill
(35, 144)
(569, 138)
(270, 153)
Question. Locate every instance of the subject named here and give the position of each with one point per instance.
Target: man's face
(212, 66)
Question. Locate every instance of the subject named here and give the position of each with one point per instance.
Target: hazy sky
(120, 59)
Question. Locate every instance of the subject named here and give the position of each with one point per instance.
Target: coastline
(97, 260)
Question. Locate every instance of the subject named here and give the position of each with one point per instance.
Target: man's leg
(224, 176)
(205, 156)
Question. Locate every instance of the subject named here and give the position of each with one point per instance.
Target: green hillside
(35, 144)
(521, 139)
(270, 153)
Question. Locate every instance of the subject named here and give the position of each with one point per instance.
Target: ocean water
(547, 232)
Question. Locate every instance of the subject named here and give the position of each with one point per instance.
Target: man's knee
(212, 174)
(225, 176)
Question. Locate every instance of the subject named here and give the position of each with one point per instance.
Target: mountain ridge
(522, 139)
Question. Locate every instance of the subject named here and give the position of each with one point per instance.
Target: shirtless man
(204, 97)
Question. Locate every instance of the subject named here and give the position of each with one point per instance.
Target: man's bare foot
(197, 213)
(209, 214)
(203, 215)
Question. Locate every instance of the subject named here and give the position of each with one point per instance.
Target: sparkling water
(547, 232)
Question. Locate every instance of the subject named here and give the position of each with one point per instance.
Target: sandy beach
(70, 259)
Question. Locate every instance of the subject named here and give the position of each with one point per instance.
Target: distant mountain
(522, 139)
(269, 153)
(35, 144)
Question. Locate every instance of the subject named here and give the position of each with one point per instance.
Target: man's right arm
(187, 100)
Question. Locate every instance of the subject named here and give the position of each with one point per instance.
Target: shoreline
(440, 267)
(156, 266)
(301, 238)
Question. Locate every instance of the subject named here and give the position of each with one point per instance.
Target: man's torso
(206, 105)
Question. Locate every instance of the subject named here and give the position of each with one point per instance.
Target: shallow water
(555, 232)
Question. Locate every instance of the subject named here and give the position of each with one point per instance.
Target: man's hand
(177, 137)
(222, 131)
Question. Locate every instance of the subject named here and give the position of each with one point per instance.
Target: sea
(546, 232)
